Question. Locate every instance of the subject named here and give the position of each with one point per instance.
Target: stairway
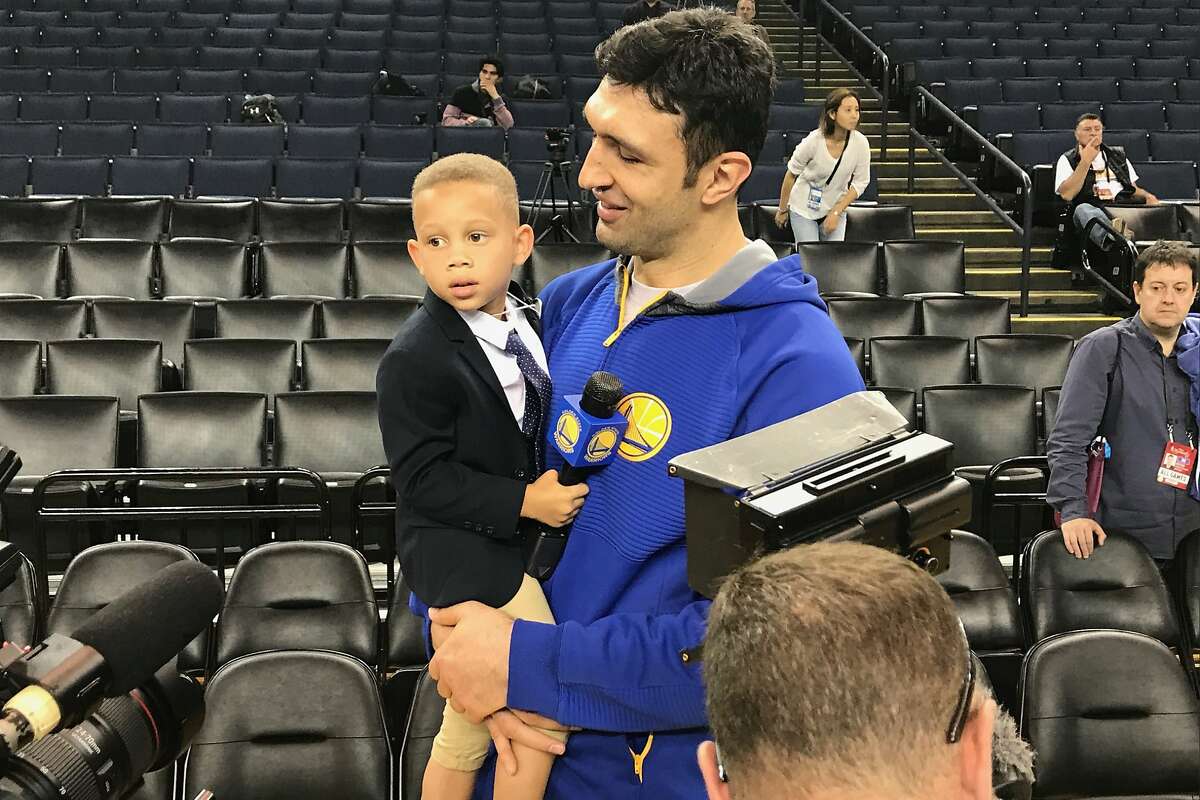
(943, 208)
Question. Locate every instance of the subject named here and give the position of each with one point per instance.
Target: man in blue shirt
(713, 337)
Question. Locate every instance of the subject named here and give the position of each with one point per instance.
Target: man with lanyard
(713, 336)
(1125, 383)
(1090, 176)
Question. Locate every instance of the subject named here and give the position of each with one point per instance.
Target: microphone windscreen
(151, 623)
(603, 389)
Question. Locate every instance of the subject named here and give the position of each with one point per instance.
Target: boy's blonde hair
(470, 167)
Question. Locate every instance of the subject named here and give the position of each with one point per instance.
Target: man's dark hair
(495, 61)
(705, 65)
(1166, 253)
(1088, 117)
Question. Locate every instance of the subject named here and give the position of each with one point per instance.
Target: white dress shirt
(492, 333)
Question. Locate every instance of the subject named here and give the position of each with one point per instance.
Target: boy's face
(467, 244)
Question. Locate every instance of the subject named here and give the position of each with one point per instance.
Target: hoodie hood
(753, 278)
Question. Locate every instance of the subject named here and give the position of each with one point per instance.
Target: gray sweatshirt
(1148, 390)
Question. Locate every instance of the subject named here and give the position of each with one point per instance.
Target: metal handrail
(876, 50)
(1025, 229)
(369, 509)
(991, 498)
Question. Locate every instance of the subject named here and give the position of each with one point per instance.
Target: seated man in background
(478, 104)
(1089, 177)
(840, 670)
(745, 11)
(642, 10)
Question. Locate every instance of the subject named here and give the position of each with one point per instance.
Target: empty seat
(300, 221)
(262, 366)
(203, 268)
(68, 176)
(321, 110)
(315, 177)
(395, 110)
(193, 108)
(97, 139)
(1148, 223)
(968, 317)
(1173, 146)
(1034, 360)
(172, 139)
(20, 369)
(28, 139)
(278, 82)
(866, 318)
(410, 143)
(212, 219)
(310, 269)
(324, 141)
(370, 221)
(1117, 587)
(20, 606)
(914, 362)
(167, 322)
(232, 177)
(879, 223)
(81, 79)
(269, 732)
(842, 267)
(31, 269)
(121, 368)
(1031, 90)
(110, 268)
(122, 107)
(384, 269)
(366, 319)
(44, 220)
(341, 364)
(14, 174)
(139, 218)
(1183, 116)
(382, 178)
(265, 319)
(987, 424)
(1128, 730)
(549, 261)
(42, 320)
(924, 267)
(150, 175)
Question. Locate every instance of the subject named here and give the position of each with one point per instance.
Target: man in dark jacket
(644, 10)
(1124, 383)
(479, 103)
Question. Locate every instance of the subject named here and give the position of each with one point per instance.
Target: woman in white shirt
(828, 171)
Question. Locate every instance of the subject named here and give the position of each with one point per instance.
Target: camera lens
(105, 755)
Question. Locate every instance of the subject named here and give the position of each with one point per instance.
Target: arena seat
(30, 269)
(914, 362)
(1132, 729)
(232, 177)
(21, 607)
(341, 364)
(920, 267)
(867, 318)
(121, 368)
(300, 221)
(41, 220)
(844, 269)
(366, 319)
(969, 316)
(303, 269)
(424, 721)
(385, 179)
(293, 319)
(172, 139)
(203, 268)
(549, 261)
(380, 221)
(878, 223)
(165, 321)
(141, 219)
(20, 367)
(212, 219)
(1118, 587)
(1148, 223)
(315, 178)
(384, 269)
(270, 733)
(261, 366)
(1036, 360)
(110, 268)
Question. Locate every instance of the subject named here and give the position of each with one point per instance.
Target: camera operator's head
(679, 119)
(840, 670)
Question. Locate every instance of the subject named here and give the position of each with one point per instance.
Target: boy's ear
(524, 239)
(414, 249)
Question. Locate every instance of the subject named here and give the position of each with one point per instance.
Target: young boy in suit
(463, 398)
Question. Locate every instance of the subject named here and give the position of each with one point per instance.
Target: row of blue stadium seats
(53, 23)
(937, 69)
(961, 92)
(215, 57)
(558, 8)
(299, 38)
(865, 14)
(884, 32)
(443, 78)
(992, 117)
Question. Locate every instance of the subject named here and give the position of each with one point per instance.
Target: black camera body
(558, 142)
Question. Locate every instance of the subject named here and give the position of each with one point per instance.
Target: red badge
(1177, 463)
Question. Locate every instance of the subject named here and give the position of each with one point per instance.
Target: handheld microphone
(116, 650)
(586, 433)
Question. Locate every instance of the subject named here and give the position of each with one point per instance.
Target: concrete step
(978, 254)
(934, 201)
(1051, 302)
(1042, 279)
(1076, 325)
(928, 179)
(974, 236)
(953, 219)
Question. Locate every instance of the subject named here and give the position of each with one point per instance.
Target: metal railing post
(912, 143)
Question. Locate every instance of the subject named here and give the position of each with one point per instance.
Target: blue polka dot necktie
(537, 395)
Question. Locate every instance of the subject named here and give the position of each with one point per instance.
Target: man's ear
(975, 753)
(725, 174)
(717, 789)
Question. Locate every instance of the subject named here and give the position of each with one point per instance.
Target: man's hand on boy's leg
(509, 727)
(471, 663)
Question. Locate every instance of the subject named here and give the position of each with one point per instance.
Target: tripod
(555, 172)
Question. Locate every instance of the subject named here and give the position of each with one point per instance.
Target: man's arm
(504, 117)
(1072, 184)
(453, 116)
(416, 418)
(1080, 408)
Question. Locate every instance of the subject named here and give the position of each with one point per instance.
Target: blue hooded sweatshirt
(750, 346)
(1187, 355)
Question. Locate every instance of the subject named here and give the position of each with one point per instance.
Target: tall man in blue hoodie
(713, 337)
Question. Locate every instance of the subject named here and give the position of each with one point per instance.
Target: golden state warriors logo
(601, 445)
(649, 426)
(566, 431)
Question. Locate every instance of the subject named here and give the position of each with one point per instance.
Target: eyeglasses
(962, 707)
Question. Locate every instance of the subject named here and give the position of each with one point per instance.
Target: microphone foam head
(604, 388)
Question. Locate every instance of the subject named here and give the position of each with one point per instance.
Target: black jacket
(459, 462)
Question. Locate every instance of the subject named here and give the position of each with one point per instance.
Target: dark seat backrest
(968, 317)
(20, 367)
(270, 731)
(303, 268)
(1118, 587)
(341, 364)
(866, 318)
(424, 720)
(979, 588)
(212, 219)
(259, 319)
(125, 368)
(203, 268)
(328, 432)
(1130, 729)
(201, 429)
(41, 220)
(916, 266)
(166, 321)
(20, 607)
(914, 362)
(1188, 560)
(841, 266)
(878, 223)
(1036, 360)
(107, 267)
(366, 319)
(30, 268)
(549, 261)
(986, 424)
(299, 596)
(300, 220)
(53, 432)
(266, 366)
(1149, 222)
(384, 268)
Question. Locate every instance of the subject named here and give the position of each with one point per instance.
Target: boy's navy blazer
(459, 462)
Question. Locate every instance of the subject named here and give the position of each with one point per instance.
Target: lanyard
(839, 161)
(1167, 412)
